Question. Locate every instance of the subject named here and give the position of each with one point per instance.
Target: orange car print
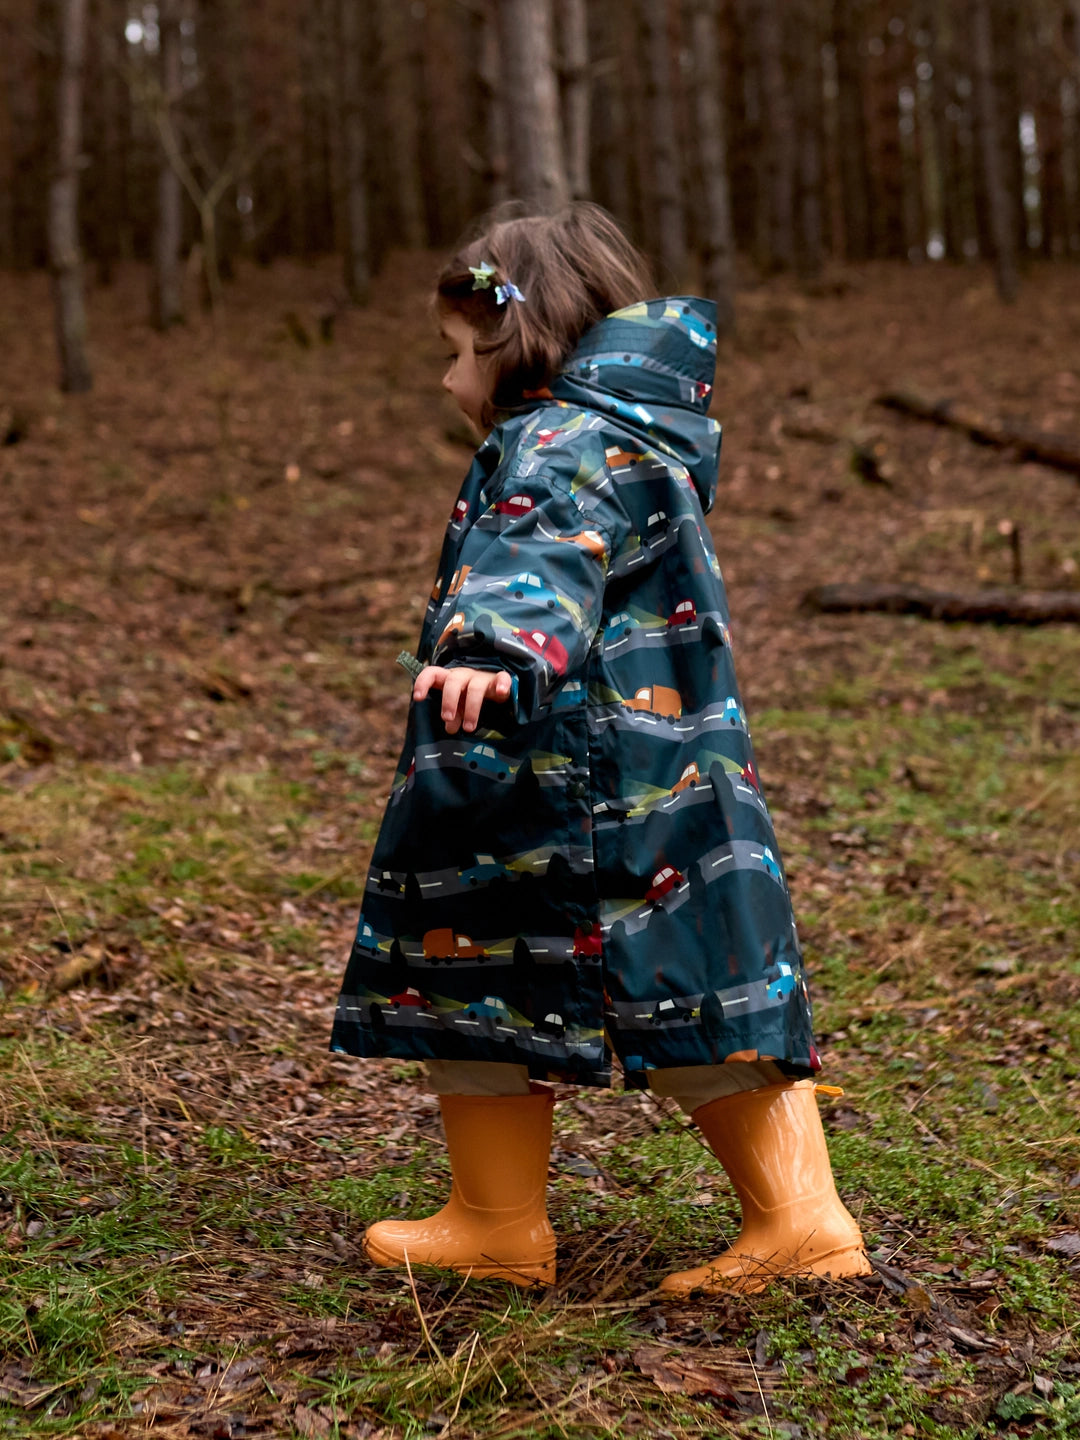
(689, 777)
(458, 580)
(618, 459)
(450, 945)
(657, 700)
(590, 540)
(457, 624)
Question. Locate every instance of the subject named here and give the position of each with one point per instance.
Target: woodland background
(793, 132)
(220, 527)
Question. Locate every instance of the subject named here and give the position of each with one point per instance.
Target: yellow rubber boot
(495, 1224)
(771, 1144)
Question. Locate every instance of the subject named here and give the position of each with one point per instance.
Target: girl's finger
(454, 683)
(479, 687)
(432, 677)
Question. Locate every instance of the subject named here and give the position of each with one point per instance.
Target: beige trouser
(691, 1086)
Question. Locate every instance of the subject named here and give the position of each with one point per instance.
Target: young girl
(577, 856)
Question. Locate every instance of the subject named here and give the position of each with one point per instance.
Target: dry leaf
(966, 1338)
(917, 1297)
(674, 1375)
(310, 1423)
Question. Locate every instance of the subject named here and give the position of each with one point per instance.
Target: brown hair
(573, 267)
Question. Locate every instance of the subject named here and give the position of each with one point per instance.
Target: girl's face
(465, 377)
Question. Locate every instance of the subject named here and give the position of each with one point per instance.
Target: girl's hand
(463, 692)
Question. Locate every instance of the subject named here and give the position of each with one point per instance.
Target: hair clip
(482, 274)
(505, 292)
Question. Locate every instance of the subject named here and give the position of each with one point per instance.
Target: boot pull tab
(832, 1091)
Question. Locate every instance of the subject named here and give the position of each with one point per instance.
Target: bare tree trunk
(66, 261)
(576, 88)
(316, 107)
(665, 187)
(887, 74)
(488, 110)
(396, 39)
(1007, 42)
(851, 114)
(611, 145)
(35, 128)
(742, 123)
(778, 123)
(912, 154)
(441, 63)
(805, 50)
(1069, 100)
(111, 150)
(537, 172)
(937, 23)
(7, 149)
(1002, 229)
(718, 257)
(1050, 132)
(221, 42)
(167, 304)
(357, 267)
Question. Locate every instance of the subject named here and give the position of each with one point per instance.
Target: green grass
(165, 1205)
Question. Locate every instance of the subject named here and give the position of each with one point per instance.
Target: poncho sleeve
(527, 594)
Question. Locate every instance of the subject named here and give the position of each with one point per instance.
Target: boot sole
(844, 1263)
(528, 1273)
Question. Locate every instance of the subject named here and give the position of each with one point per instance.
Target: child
(576, 853)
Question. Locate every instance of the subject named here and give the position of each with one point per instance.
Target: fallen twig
(1044, 446)
(996, 607)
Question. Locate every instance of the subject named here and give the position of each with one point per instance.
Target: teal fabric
(597, 862)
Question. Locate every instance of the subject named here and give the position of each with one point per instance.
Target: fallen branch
(997, 607)
(1044, 446)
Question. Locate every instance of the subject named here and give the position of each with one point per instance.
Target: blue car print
(365, 935)
(784, 983)
(768, 860)
(488, 759)
(532, 588)
(491, 1007)
(486, 869)
(700, 331)
(733, 712)
(571, 693)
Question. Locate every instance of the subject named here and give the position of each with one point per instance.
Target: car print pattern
(597, 860)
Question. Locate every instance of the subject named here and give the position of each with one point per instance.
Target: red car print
(750, 775)
(588, 942)
(548, 647)
(662, 882)
(515, 505)
(685, 613)
(410, 997)
(545, 437)
(461, 509)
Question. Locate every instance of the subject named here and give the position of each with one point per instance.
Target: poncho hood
(652, 366)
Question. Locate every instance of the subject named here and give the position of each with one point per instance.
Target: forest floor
(208, 566)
